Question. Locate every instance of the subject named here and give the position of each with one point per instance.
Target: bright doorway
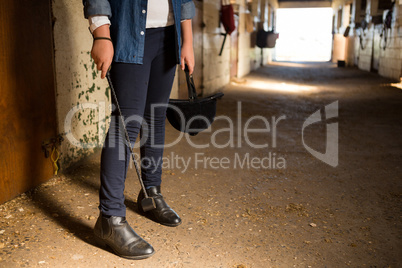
(305, 34)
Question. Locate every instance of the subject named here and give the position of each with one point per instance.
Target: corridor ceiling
(304, 3)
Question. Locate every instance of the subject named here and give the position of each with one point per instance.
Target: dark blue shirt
(128, 23)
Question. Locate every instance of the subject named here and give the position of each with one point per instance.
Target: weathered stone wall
(80, 93)
(215, 68)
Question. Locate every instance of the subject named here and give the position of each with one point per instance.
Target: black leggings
(138, 87)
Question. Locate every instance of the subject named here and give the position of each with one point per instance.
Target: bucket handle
(192, 93)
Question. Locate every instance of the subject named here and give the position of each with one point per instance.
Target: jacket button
(143, 11)
(142, 32)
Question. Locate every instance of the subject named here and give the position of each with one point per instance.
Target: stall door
(375, 63)
(27, 102)
(234, 50)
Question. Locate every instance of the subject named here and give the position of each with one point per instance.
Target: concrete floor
(297, 212)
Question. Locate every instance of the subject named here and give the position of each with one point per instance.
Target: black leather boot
(116, 233)
(162, 214)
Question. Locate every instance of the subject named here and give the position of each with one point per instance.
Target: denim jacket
(128, 21)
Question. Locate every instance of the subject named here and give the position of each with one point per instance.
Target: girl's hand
(187, 51)
(187, 57)
(102, 50)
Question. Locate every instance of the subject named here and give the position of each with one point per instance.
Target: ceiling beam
(304, 4)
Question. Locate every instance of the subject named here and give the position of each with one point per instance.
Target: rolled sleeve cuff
(187, 10)
(97, 7)
(97, 21)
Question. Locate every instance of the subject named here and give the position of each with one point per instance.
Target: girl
(142, 41)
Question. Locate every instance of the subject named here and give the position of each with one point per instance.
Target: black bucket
(192, 115)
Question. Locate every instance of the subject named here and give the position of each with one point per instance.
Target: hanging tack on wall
(346, 33)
